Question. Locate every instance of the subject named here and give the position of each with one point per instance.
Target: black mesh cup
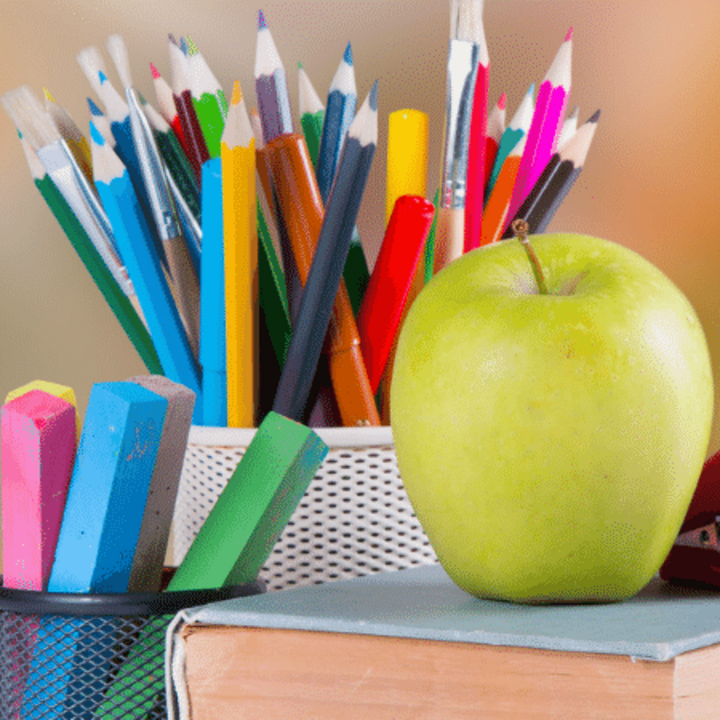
(65, 655)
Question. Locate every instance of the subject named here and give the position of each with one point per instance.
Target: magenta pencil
(546, 124)
(476, 150)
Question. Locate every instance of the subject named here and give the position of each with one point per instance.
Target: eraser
(108, 489)
(146, 573)
(39, 440)
(254, 507)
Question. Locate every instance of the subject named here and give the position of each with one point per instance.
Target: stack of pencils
(224, 236)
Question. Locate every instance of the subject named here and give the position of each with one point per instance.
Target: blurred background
(651, 182)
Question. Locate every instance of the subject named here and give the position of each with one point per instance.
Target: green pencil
(312, 114)
(208, 98)
(430, 243)
(105, 282)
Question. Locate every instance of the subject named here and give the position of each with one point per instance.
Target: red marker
(390, 281)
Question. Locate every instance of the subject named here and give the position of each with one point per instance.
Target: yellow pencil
(237, 153)
(407, 160)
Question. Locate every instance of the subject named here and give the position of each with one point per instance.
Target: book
(411, 644)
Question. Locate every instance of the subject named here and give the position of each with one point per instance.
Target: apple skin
(550, 444)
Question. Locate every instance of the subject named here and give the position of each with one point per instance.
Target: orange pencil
(301, 209)
(496, 210)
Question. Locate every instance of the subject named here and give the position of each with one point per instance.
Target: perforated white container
(355, 518)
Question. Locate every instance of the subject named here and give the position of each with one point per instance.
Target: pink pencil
(476, 150)
(39, 439)
(546, 124)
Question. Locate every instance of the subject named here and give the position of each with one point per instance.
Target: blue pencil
(339, 113)
(133, 237)
(212, 298)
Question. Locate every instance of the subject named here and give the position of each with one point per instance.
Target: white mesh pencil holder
(355, 518)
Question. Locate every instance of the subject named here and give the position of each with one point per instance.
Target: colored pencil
(241, 263)
(208, 98)
(396, 265)
(151, 545)
(496, 210)
(323, 280)
(271, 85)
(70, 132)
(312, 114)
(175, 159)
(546, 124)
(171, 341)
(300, 207)
(569, 126)
(516, 129)
(339, 113)
(35, 125)
(157, 190)
(101, 123)
(477, 145)
(558, 178)
(212, 299)
(495, 130)
(166, 106)
(464, 59)
(123, 305)
(197, 150)
(39, 436)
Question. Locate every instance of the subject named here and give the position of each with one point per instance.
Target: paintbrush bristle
(466, 20)
(30, 117)
(119, 54)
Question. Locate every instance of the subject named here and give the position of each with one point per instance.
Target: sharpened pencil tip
(192, 48)
(98, 139)
(184, 45)
(94, 109)
(374, 96)
(594, 117)
(300, 67)
(261, 20)
(236, 94)
(48, 96)
(502, 101)
(155, 72)
(173, 40)
(347, 57)
(102, 76)
(568, 37)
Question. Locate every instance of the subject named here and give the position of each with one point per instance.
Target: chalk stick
(39, 440)
(108, 489)
(254, 507)
(146, 572)
(62, 391)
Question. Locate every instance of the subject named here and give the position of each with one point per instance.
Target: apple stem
(521, 228)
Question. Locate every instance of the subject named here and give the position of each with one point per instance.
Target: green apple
(550, 443)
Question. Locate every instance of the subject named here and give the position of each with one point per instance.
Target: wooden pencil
(312, 114)
(339, 113)
(495, 130)
(241, 263)
(557, 179)
(516, 129)
(477, 146)
(118, 196)
(569, 126)
(162, 207)
(464, 59)
(324, 277)
(208, 97)
(271, 85)
(546, 124)
(166, 106)
(119, 302)
(182, 96)
(301, 209)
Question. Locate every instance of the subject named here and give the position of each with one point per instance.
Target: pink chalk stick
(38, 443)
